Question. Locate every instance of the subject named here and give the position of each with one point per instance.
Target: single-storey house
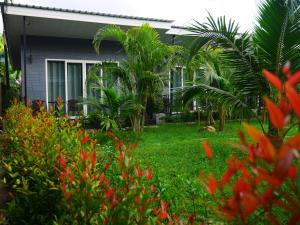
(53, 48)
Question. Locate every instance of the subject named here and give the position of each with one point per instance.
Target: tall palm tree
(148, 59)
(210, 75)
(275, 41)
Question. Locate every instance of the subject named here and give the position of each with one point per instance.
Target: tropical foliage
(148, 59)
(274, 42)
(56, 172)
(266, 179)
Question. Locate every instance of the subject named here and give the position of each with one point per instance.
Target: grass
(175, 154)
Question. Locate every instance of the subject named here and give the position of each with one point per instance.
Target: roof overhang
(53, 22)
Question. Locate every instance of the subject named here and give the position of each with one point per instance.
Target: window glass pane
(187, 78)
(92, 93)
(75, 92)
(109, 76)
(176, 78)
(176, 85)
(56, 81)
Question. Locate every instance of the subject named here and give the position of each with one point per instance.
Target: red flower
(110, 134)
(126, 138)
(85, 139)
(62, 161)
(276, 115)
(138, 199)
(294, 79)
(101, 178)
(163, 211)
(207, 150)
(138, 172)
(273, 79)
(84, 175)
(113, 201)
(106, 165)
(212, 185)
(84, 155)
(109, 192)
(93, 157)
(294, 99)
(149, 175)
(292, 172)
(153, 189)
(286, 68)
(119, 144)
(63, 187)
(124, 175)
(134, 146)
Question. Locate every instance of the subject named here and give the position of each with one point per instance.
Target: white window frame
(181, 87)
(84, 76)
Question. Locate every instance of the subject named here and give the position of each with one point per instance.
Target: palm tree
(141, 73)
(210, 75)
(275, 41)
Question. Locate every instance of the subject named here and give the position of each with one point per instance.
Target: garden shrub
(57, 172)
(265, 183)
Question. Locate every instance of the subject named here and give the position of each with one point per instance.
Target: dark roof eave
(90, 13)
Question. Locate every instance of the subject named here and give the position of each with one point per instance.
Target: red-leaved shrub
(267, 178)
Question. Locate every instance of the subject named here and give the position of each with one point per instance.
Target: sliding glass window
(56, 81)
(75, 88)
(69, 80)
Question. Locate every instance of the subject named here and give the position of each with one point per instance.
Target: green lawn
(175, 153)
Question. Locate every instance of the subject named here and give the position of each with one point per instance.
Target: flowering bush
(56, 171)
(29, 160)
(108, 190)
(266, 180)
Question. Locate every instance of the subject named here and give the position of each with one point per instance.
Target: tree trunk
(221, 117)
(199, 117)
(210, 118)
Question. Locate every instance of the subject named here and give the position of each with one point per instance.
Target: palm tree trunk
(221, 117)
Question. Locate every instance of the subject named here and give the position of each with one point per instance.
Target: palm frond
(111, 31)
(277, 34)
(202, 91)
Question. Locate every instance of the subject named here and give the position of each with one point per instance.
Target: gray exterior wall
(41, 48)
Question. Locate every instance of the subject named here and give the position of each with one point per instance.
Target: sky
(182, 11)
